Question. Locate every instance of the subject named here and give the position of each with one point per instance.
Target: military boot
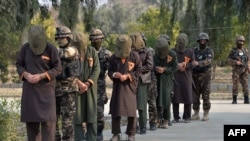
(100, 128)
(195, 116)
(152, 127)
(246, 100)
(205, 116)
(158, 123)
(234, 99)
(164, 124)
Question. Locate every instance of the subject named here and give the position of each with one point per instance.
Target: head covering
(80, 41)
(37, 39)
(137, 41)
(123, 46)
(181, 42)
(162, 47)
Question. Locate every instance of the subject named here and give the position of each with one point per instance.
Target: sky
(100, 2)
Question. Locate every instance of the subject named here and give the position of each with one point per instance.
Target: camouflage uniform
(239, 71)
(96, 38)
(202, 76)
(152, 95)
(102, 98)
(66, 86)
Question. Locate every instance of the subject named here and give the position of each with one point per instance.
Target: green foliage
(10, 127)
(68, 13)
(48, 23)
(110, 42)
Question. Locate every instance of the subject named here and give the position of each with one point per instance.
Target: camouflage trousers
(202, 88)
(241, 78)
(65, 109)
(102, 99)
(152, 108)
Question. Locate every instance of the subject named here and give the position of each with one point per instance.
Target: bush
(11, 129)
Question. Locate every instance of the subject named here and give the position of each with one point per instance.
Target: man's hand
(239, 63)
(195, 63)
(182, 66)
(124, 77)
(33, 79)
(82, 87)
(117, 75)
(159, 69)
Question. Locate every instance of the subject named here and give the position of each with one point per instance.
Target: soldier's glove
(105, 99)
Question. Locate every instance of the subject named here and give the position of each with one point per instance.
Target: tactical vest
(200, 56)
(66, 81)
(240, 56)
(102, 55)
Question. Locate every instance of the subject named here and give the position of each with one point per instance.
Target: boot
(246, 100)
(205, 116)
(116, 137)
(158, 123)
(152, 127)
(165, 124)
(234, 99)
(100, 127)
(195, 116)
(143, 130)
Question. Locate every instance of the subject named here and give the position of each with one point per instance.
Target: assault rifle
(243, 60)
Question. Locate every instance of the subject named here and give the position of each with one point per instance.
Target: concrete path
(222, 112)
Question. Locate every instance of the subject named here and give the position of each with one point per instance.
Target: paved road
(222, 112)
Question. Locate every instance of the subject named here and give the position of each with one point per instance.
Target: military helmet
(62, 32)
(203, 35)
(240, 38)
(96, 34)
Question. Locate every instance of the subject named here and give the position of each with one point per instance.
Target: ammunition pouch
(70, 69)
(201, 69)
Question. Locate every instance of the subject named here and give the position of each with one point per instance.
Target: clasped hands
(159, 69)
(33, 78)
(121, 77)
(82, 86)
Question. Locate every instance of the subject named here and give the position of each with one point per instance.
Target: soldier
(183, 79)
(86, 100)
(202, 76)
(66, 86)
(37, 64)
(96, 38)
(138, 45)
(165, 63)
(124, 70)
(238, 58)
(152, 93)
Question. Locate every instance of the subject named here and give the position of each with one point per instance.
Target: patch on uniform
(45, 57)
(90, 61)
(169, 58)
(131, 66)
(186, 59)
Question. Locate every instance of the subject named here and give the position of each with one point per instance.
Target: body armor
(67, 80)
